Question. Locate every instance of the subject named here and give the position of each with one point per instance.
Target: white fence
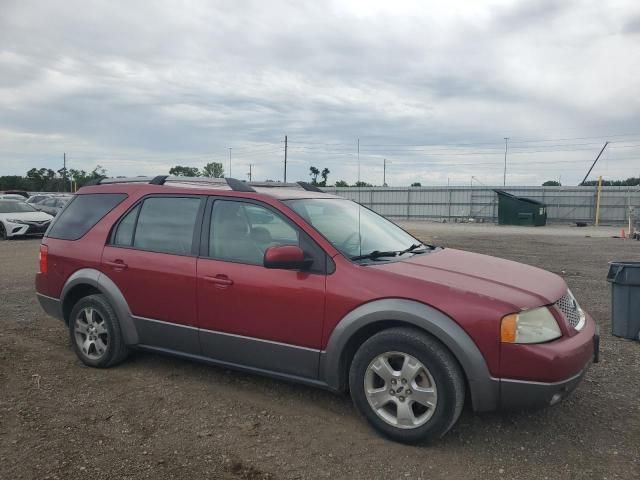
(564, 204)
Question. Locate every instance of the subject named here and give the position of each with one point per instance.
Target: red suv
(287, 281)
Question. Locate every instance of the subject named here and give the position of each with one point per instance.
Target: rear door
(249, 315)
(151, 257)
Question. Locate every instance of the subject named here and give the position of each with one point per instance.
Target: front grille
(37, 227)
(571, 310)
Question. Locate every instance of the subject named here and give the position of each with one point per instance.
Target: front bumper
(30, 228)
(527, 394)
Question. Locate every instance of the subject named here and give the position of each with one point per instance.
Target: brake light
(44, 250)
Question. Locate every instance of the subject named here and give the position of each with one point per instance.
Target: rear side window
(160, 224)
(82, 213)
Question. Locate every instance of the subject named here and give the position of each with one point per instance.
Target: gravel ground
(158, 417)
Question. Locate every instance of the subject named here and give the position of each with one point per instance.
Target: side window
(241, 232)
(82, 214)
(166, 224)
(124, 233)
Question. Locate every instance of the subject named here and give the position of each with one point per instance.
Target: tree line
(629, 182)
(49, 180)
(65, 180)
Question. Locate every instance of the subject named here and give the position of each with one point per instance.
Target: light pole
(384, 172)
(229, 161)
(504, 177)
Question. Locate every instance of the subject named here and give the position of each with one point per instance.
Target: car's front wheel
(407, 385)
(95, 332)
(3, 232)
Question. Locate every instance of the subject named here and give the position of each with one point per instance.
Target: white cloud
(140, 87)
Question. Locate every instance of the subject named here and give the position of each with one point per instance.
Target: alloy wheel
(91, 334)
(400, 390)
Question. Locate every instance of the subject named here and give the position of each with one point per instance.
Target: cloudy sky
(434, 87)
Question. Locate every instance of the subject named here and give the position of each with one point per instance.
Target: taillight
(43, 258)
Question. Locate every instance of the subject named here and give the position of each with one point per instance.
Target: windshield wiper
(373, 255)
(378, 254)
(414, 247)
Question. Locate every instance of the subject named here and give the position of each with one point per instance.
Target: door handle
(116, 265)
(219, 280)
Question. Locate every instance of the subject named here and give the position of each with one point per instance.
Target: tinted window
(166, 224)
(82, 214)
(124, 233)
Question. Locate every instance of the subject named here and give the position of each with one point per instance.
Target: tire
(427, 405)
(3, 232)
(95, 332)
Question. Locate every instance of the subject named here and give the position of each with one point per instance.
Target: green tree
(182, 171)
(551, 183)
(313, 173)
(360, 183)
(325, 173)
(341, 183)
(213, 169)
(416, 184)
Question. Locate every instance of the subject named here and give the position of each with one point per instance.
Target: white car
(12, 196)
(20, 218)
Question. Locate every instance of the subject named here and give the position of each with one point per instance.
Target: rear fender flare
(100, 281)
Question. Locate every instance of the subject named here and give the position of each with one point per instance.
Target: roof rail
(273, 184)
(232, 183)
(159, 180)
(141, 179)
(309, 187)
(238, 185)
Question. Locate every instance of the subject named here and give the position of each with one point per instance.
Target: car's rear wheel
(95, 332)
(407, 385)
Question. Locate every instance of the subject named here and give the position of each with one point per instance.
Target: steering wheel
(353, 239)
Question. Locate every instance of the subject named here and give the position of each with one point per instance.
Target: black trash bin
(625, 299)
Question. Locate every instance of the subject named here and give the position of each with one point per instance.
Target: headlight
(531, 326)
(14, 220)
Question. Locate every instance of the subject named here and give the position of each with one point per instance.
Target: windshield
(9, 206)
(352, 228)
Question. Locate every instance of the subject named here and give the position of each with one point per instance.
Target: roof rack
(233, 183)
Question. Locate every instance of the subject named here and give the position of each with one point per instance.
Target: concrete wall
(564, 204)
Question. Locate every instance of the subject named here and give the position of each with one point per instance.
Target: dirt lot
(156, 417)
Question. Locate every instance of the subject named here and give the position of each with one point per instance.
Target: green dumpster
(514, 210)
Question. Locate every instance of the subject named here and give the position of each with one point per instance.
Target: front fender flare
(483, 388)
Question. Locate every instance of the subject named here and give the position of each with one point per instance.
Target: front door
(253, 316)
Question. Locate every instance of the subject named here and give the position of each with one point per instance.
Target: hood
(27, 216)
(518, 285)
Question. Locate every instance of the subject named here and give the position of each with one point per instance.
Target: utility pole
(384, 172)
(358, 161)
(285, 158)
(594, 163)
(229, 161)
(64, 171)
(250, 165)
(504, 177)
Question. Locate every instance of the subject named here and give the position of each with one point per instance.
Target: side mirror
(286, 257)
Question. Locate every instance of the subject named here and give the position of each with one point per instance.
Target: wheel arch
(373, 317)
(89, 281)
